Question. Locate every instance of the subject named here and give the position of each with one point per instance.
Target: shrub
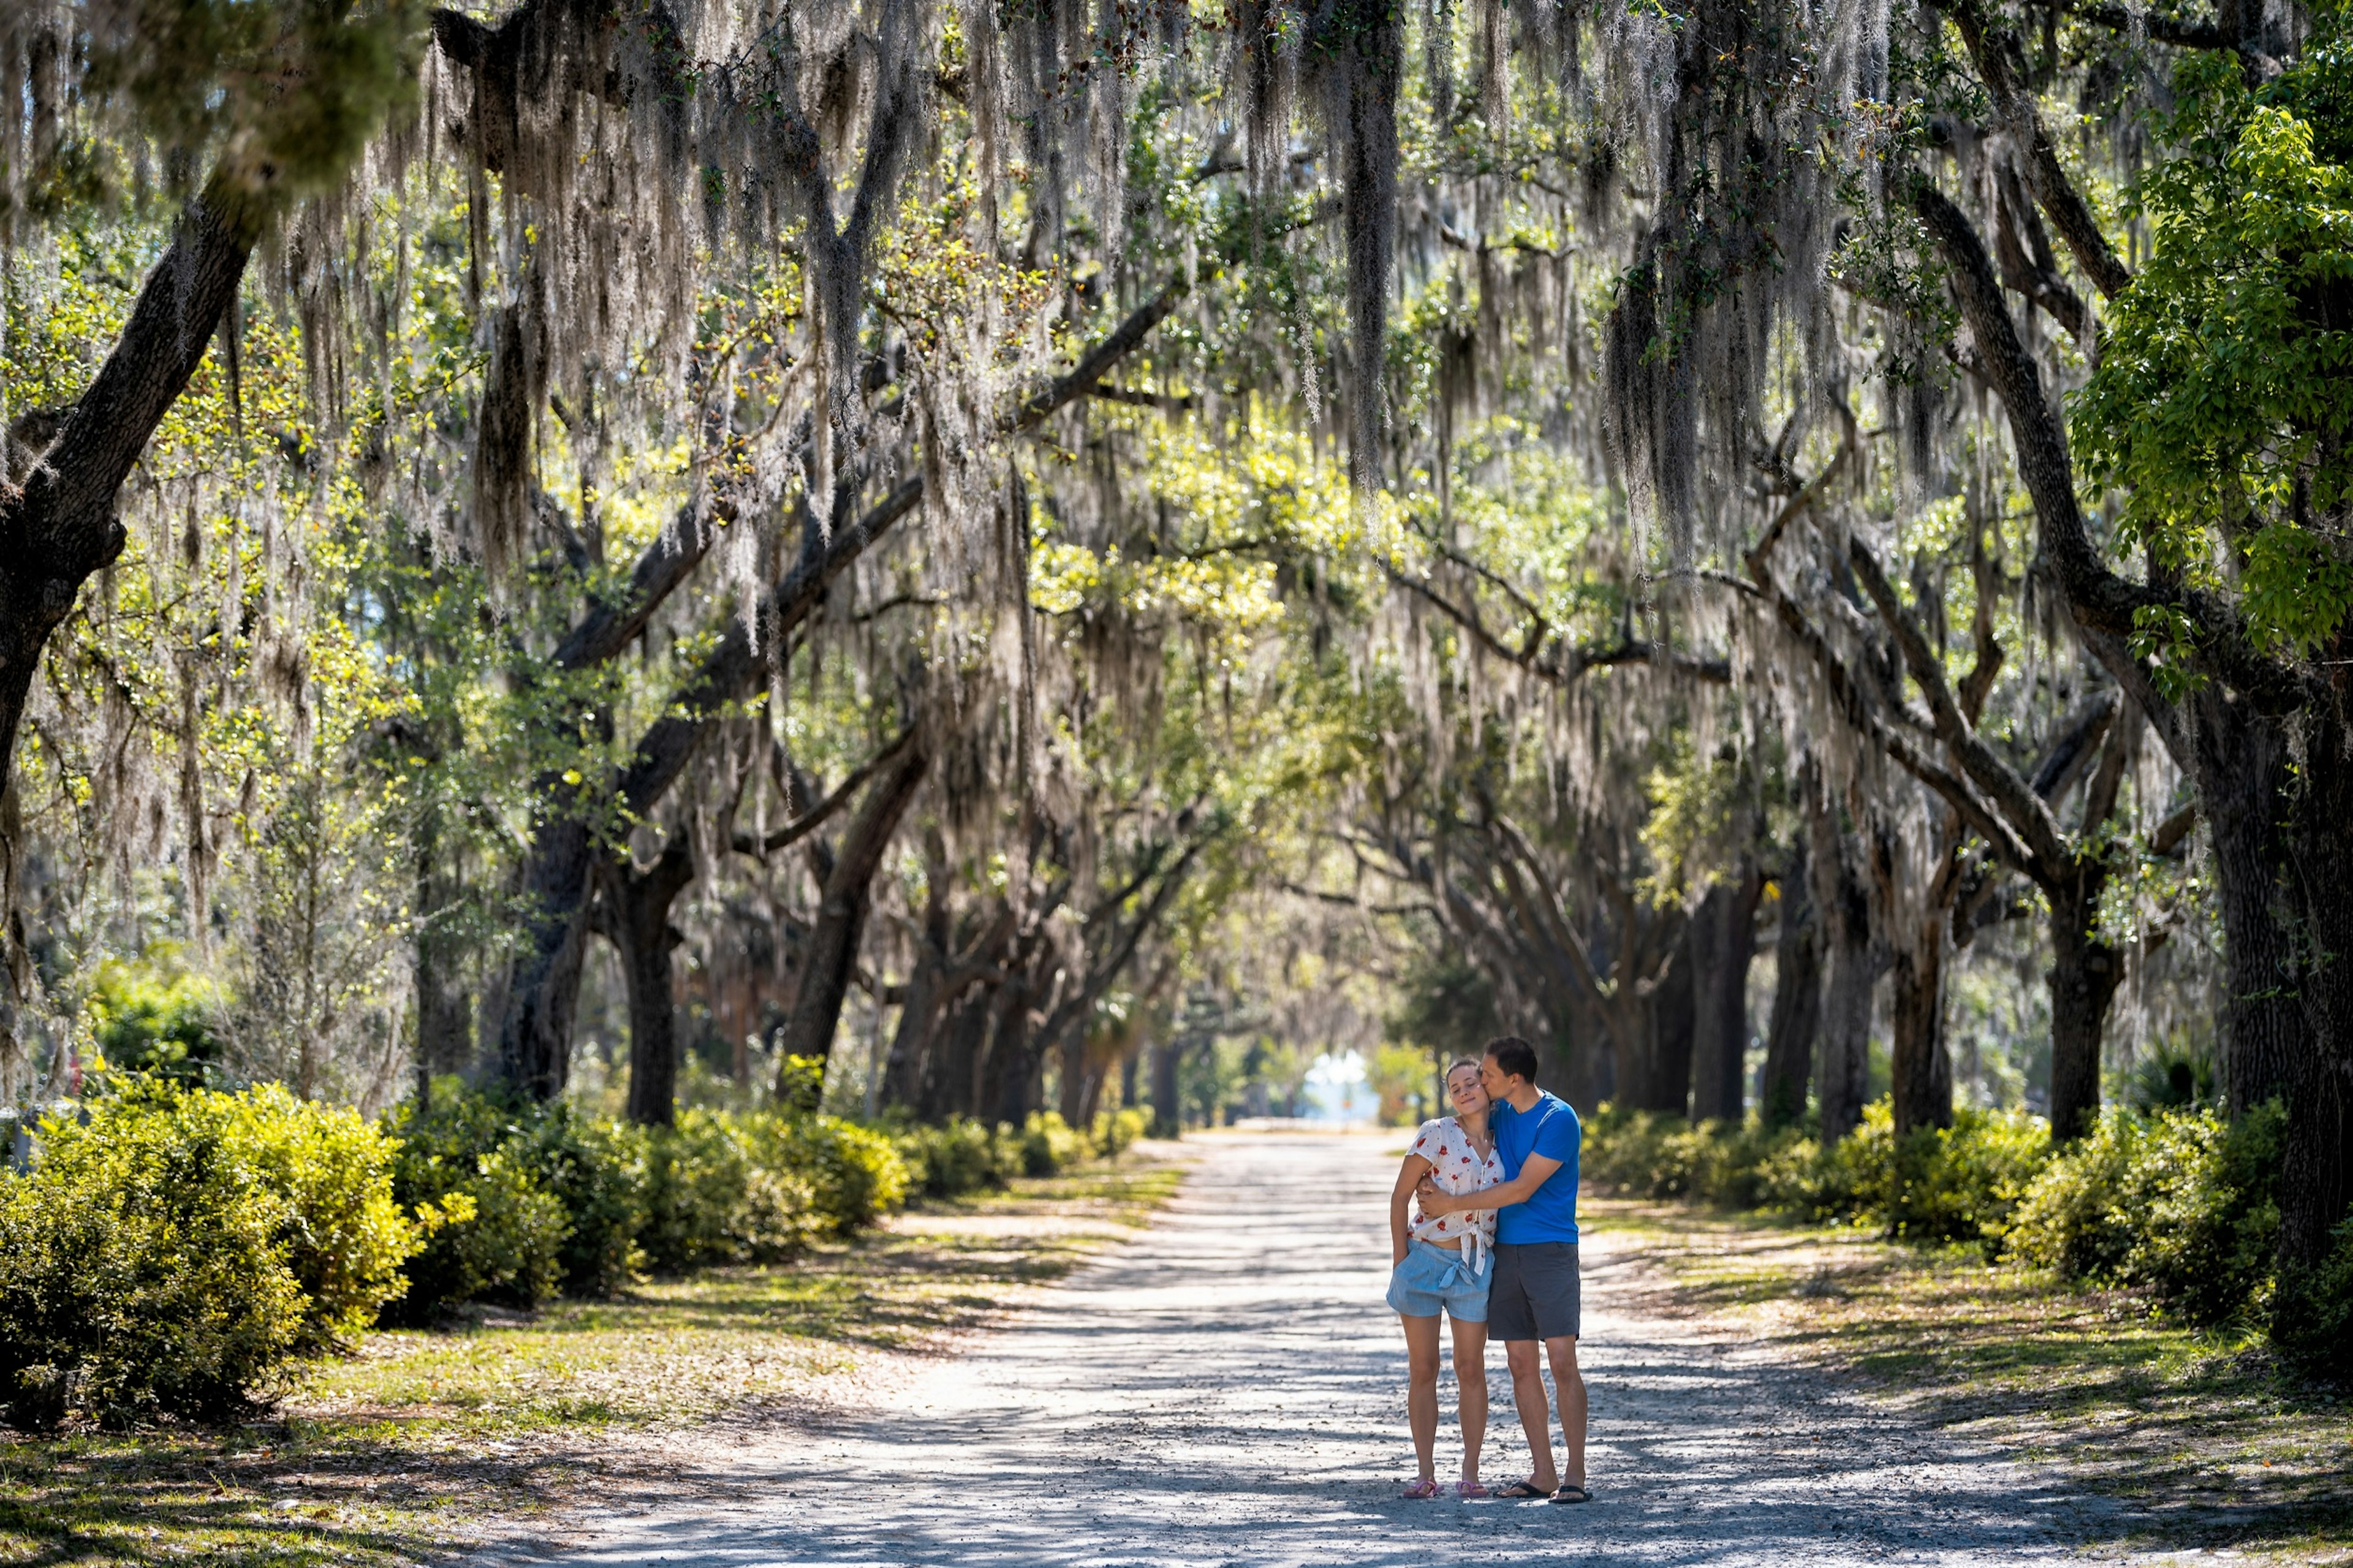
(1658, 1154)
(1048, 1144)
(493, 1232)
(158, 1019)
(596, 1170)
(1961, 1182)
(1637, 1153)
(141, 1271)
(2312, 1322)
(952, 1159)
(2179, 1203)
(341, 1233)
(1115, 1131)
(711, 1198)
(854, 1172)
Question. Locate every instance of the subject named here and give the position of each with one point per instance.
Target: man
(1534, 1295)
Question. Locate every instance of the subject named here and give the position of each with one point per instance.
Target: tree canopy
(950, 554)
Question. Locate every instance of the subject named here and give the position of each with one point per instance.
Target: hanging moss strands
(966, 560)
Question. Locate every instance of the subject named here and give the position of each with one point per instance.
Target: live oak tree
(944, 516)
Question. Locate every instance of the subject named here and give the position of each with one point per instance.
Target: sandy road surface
(1228, 1390)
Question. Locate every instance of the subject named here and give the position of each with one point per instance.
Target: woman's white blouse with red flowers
(1457, 1167)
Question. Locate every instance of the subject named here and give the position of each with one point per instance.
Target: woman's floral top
(1458, 1167)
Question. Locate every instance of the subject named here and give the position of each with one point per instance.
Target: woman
(1441, 1264)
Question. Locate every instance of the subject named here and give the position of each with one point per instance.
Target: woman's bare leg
(1421, 1390)
(1471, 1390)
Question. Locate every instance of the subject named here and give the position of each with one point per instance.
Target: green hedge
(174, 1253)
(523, 1201)
(952, 1158)
(2180, 1204)
(2173, 1202)
(956, 1157)
(493, 1231)
(177, 1251)
(2313, 1319)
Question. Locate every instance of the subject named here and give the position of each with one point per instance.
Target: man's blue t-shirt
(1549, 1128)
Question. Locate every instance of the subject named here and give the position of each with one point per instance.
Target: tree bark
(544, 984)
(1922, 1069)
(831, 956)
(1011, 1062)
(2241, 760)
(634, 914)
(951, 1077)
(1723, 943)
(1856, 958)
(2317, 1175)
(444, 1013)
(920, 1001)
(1672, 1014)
(1073, 1097)
(1168, 1108)
(59, 528)
(1797, 997)
(2084, 975)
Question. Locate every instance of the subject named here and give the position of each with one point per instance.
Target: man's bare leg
(1536, 1415)
(1570, 1383)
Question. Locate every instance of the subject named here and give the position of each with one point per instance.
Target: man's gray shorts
(1534, 1296)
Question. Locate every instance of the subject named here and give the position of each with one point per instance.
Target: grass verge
(2202, 1431)
(425, 1440)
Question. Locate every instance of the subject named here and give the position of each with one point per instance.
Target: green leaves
(290, 90)
(2223, 400)
(2298, 587)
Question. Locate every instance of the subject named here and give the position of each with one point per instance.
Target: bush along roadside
(2174, 1203)
(177, 1252)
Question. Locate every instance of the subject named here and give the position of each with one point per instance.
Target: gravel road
(1228, 1390)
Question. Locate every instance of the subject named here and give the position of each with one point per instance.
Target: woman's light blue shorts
(1434, 1279)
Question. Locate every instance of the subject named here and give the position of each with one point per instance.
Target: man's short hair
(1514, 1058)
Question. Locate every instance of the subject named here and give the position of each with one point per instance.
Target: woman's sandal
(1420, 1490)
(1523, 1490)
(1573, 1487)
(1466, 1491)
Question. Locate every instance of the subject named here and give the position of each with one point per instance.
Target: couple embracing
(1494, 1246)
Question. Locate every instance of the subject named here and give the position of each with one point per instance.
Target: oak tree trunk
(1797, 998)
(951, 1077)
(910, 1043)
(634, 914)
(2317, 1174)
(2082, 977)
(1922, 1069)
(1724, 944)
(2243, 776)
(1073, 1097)
(1672, 1017)
(1012, 1061)
(830, 958)
(1853, 959)
(1167, 1111)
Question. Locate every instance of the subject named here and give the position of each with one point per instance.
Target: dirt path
(1228, 1390)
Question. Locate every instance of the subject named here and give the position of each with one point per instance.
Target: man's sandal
(1420, 1490)
(1523, 1490)
(1574, 1491)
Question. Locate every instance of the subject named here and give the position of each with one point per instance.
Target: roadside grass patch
(426, 1439)
(2203, 1428)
